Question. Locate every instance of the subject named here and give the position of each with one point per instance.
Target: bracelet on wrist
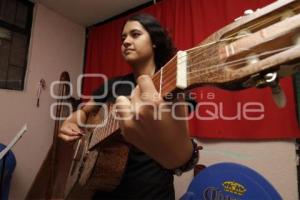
(191, 162)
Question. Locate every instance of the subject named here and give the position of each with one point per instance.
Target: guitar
(254, 51)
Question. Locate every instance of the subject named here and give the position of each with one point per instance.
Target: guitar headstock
(268, 40)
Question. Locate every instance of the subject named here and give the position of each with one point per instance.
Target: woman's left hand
(147, 121)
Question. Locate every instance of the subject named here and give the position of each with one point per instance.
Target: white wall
(275, 160)
(57, 44)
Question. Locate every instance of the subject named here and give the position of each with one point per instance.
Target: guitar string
(238, 60)
(211, 58)
(168, 79)
(111, 118)
(110, 125)
(232, 65)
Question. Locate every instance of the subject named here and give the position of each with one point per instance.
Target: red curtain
(189, 22)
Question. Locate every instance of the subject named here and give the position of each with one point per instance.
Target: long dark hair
(164, 48)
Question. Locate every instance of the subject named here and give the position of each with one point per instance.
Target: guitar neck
(165, 83)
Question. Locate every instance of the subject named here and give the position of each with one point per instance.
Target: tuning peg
(248, 12)
(270, 77)
(278, 95)
(277, 92)
(271, 80)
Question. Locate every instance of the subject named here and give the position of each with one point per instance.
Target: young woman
(158, 146)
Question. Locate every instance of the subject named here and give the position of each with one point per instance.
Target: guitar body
(99, 168)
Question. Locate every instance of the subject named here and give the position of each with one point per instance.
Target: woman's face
(136, 43)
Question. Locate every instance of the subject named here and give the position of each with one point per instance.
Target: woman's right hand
(70, 131)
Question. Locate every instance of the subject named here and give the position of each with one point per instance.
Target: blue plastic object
(7, 166)
(230, 181)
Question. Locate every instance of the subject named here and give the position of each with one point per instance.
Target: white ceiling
(89, 12)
